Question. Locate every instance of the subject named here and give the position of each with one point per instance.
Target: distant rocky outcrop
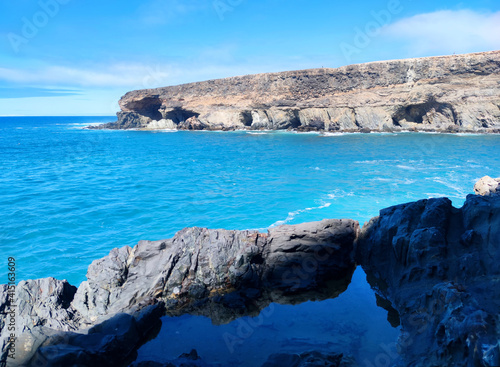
(487, 186)
(458, 93)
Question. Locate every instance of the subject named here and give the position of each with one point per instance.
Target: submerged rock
(438, 266)
(306, 359)
(451, 94)
(190, 359)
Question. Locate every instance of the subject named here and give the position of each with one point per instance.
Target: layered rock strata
(458, 93)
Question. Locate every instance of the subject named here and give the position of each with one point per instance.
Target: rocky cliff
(449, 93)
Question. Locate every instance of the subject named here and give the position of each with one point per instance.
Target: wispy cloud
(118, 75)
(447, 31)
(210, 63)
(16, 92)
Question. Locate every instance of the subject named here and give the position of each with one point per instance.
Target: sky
(77, 58)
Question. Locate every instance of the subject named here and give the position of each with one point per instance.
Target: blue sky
(75, 57)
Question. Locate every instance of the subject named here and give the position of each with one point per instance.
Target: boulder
(487, 186)
(110, 343)
(43, 302)
(219, 273)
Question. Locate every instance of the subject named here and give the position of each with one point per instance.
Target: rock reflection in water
(352, 324)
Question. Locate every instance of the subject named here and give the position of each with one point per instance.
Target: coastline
(102, 126)
(455, 94)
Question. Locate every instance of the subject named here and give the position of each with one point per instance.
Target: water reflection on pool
(352, 324)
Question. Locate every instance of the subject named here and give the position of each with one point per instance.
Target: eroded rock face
(438, 265)
(487, 186)
(42, 302)
(222, 274)
(218, 273)
(449, 93)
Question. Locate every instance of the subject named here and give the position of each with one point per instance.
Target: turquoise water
(68, 195)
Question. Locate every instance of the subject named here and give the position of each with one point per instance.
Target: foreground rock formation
(218, 273)
(434, 268)
(451, 93)
(438, 266)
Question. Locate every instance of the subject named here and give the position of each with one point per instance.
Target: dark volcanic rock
(38, 303)
(218, 273)
(110, 343)
(434, 267)
(438, 266)
(223, 274)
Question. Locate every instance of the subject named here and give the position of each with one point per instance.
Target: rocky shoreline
(432, 265)
(453, 94)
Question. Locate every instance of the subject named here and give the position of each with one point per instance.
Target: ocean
(69, 195)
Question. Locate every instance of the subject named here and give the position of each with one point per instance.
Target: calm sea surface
(69, 195)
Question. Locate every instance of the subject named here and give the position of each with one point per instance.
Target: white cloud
(211, 63)
(119, 75)
(447, 32)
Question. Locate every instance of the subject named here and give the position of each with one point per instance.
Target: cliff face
(449, 93)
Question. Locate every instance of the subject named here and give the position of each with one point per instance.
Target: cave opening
(416, 113)
(247, 118)
(295, 120)
(148, 107)
(179, 115)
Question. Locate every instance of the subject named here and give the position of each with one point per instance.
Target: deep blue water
(69, 195)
